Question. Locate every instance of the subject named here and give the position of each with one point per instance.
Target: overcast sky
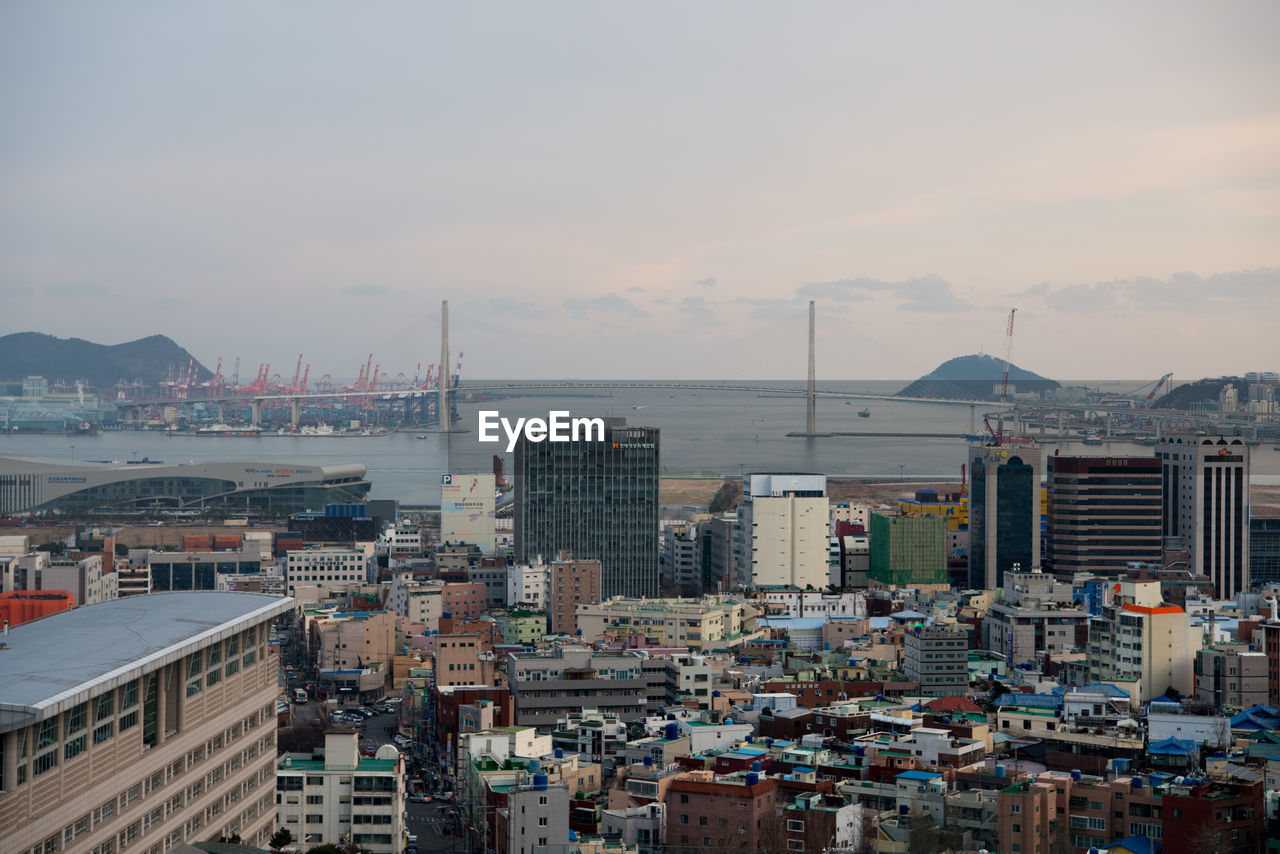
(648, 189)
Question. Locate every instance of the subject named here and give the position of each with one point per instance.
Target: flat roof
(55, 662)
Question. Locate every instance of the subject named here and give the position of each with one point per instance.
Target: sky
(648, 190)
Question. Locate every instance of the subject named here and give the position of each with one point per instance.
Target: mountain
(974, 378)
(1191, 395)
(24, 354)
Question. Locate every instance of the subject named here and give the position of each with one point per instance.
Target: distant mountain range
(24, 354)
(974, 378)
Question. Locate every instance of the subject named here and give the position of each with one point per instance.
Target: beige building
(572, 583)
(83, 579)
(1139, 637)
(782, 534)
(140, 723)
(324, 568)
(707, 624)
(1230, 676)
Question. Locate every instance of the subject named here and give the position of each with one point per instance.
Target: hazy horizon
(601, 187)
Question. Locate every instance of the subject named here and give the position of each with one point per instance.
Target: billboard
(466, 510)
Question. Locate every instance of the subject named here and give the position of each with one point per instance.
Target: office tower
(140, 723)
(1004, 512)
(937, 660)
(1206, 505)
(782, 533)
(1104, 513)
(597, 499)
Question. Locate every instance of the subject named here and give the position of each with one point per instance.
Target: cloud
(1181, 290)
(929, 293)
(77, 290)
(610, 303)
(694, 302)
(635, 290)
(519, 307)
(706, 283)
(366, 291)
(170, 303)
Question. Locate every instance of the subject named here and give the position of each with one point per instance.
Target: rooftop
(53, 662)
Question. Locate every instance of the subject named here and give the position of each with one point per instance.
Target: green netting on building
(907, 550)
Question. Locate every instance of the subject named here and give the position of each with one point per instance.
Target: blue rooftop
(918, 775)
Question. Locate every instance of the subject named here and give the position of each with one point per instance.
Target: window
(104, 718)
(795, 826)
(46, 747)
(75, 736)
(195, 672)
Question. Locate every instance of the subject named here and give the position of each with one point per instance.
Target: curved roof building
(37, 484)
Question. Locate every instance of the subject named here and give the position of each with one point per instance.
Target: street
(428, 822)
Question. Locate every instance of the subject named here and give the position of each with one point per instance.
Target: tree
(122, 550)
(923, 836)
(280, 839)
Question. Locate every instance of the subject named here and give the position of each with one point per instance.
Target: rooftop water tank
(1137, 782)
(648, 761)
(756, 766)
(540, 782)
(672, 730)
(535, 766)
(1075, 775)
(559, 753)
(750, 739)
(1000, 771)
(752, 779)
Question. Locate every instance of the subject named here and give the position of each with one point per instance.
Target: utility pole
(442, 382)
(811, 412)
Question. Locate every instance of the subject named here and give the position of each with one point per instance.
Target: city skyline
(671, 185)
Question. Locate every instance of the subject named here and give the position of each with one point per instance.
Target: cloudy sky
(648, 189)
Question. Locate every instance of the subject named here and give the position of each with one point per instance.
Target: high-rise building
(1104, 513)
(1004, 512)
(1206, 505)
(908, 551)
(782, 534)
(140, 723)
(597, 499)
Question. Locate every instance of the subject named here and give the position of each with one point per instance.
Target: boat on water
(864, 413)
(228, 430)
(421, 436)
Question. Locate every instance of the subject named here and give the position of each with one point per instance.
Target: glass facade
(599, 500)
(1264, 551)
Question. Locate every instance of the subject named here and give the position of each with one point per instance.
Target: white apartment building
(324, 567)
(782, 534)
(335, 794)
(1140, 637)
(529, 585)
(403, 541)
(796, 603)
(137, 724)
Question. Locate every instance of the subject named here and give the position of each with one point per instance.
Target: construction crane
(998, 434)
(1167, 378)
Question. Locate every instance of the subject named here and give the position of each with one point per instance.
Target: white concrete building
(717, 736)
(1139, 637)
(336, 794)
(83, 579)
(796, 603)
(323, 567)
(529, 585)
(782, 534)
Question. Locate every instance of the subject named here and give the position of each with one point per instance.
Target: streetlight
(901, 469)
(73, 452)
